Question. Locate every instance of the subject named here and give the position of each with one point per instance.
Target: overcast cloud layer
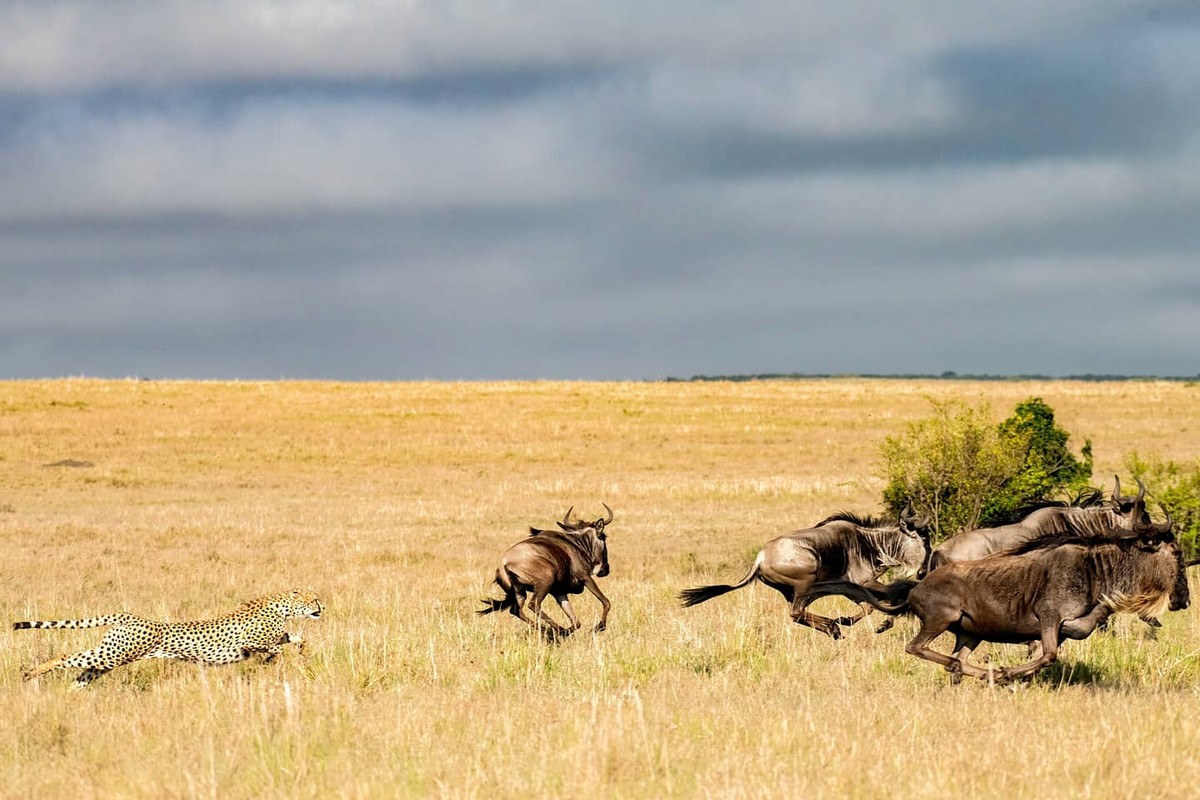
(413, 189)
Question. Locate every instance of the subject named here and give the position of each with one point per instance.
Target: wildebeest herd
(1058, 573)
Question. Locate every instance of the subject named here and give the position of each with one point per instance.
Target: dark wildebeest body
(842, 547)
(558, 564)
(1097, 521)
(1058, 588)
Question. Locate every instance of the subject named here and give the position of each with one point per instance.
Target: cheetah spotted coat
(255, 627)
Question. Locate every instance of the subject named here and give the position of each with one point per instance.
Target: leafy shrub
(1049, 467)
(966, 471)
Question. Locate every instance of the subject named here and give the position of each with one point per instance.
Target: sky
(435, 189)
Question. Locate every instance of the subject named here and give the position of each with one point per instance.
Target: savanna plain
(180, 500)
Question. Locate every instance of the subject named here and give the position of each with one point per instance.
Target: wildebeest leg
(1082, 627)
(886, 625)
(1049, 655)
(1077, 628)
(801, 617)
(535, 608)
(566, 607)
(590, 584)
(848, 621)
(919, 647)
(963, 647)
(517, 609)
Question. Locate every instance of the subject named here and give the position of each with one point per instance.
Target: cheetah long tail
(90, 622)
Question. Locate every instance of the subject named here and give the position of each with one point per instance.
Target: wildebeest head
(1160, 538)
(600, 546)
(914, 546)
(1132, 506)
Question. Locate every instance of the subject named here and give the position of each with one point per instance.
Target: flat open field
(394, 501)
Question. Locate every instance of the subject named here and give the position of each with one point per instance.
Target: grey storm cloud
(416, 189)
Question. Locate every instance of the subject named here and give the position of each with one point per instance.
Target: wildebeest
(555, 563)
(1051, 589)
(1052, 520)
(842, 547)
(1114, 518)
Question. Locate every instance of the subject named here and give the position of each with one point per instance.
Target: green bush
(966, 471)
(1049, 467)
(1177, 487)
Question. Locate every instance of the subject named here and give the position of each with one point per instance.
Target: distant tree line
(948, 375)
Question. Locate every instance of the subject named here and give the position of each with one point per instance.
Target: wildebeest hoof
(886, 625)
(834, 631)
(956, 677)
(1152, 622)
(1001, 677)
(600, 627)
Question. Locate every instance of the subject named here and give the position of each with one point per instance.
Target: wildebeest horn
(566, 523)
(1138, 509)
(609, 510)
(1116, 488)
(912, 520)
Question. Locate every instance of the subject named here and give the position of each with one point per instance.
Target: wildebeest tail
(491, 604)
(890, 599)
(506, 603)
(692, 597)
(90, 622)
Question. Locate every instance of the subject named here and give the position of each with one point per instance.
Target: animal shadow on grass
(1074, 673)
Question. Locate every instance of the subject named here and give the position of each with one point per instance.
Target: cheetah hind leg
(93, 662)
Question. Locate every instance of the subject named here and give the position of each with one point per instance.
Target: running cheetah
(255, 627)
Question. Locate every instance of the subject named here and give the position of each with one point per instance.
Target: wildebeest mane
(1123, 539)
(1087, 497)
(861, 520)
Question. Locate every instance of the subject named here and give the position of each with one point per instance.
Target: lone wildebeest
(1051, 589)
(842, 547)
(555, 563)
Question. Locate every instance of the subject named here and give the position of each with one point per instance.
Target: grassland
(394, 501)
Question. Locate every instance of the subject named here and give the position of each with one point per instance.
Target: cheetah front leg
(274, 650)
(86, 677)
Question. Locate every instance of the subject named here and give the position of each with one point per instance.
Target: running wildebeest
(555, 563)
(842, 547)
(1116, 518)
(1050, 589)
(1051, 520)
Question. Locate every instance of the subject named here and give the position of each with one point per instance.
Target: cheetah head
(304, 603)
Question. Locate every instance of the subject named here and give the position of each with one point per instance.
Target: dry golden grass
(394, 502)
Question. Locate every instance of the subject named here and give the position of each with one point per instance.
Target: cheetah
(255, 627)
